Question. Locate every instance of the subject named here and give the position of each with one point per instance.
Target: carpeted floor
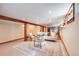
(48, 49)
(26, 48)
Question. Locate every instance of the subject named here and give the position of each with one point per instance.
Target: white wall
(10, 31)
(70, 34)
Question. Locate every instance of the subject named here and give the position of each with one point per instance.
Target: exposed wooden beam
(2, 17)
(10, 19)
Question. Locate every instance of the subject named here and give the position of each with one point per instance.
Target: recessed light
(49, 11)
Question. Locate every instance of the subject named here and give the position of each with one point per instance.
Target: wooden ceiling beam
(2, 17)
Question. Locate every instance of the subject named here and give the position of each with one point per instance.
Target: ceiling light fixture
(50, 12)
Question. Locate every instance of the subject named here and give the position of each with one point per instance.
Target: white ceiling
(36, 12)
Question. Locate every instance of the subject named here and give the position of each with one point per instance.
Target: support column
(25, 32)
(42, 29)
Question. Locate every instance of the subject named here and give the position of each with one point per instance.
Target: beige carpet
(48, 49)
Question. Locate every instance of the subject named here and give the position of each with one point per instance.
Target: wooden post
(25, 32)
(42, 29)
